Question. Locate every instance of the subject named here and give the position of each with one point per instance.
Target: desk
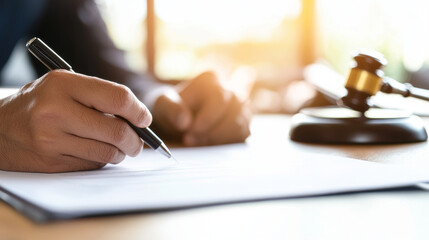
(377, 215)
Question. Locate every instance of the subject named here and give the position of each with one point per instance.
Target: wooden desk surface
(389, 214)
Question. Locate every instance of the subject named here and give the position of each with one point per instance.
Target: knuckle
(42, 139)
(43, 143)
(52, 77)
(109, 154)
(119, 133)
(55, 73)
(208, 76)
(42, 116)
(122, 97)
(88, 119)
(206, 80)
(143, 115)
(42, 113)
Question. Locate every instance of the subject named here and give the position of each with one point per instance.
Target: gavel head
(364, 81)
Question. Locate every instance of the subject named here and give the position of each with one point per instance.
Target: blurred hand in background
(202, 112)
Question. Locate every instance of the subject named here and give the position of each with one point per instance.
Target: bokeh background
(261, 47)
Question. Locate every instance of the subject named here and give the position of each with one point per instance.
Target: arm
(198, 112)
(65, 121)
(75, 30)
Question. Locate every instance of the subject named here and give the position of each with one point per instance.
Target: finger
(90, 150)
(207, 99)
(223, 133)
(211, 111)
(66, 163)
(172, 111)
(92, 124)
(234, 127)
(105, 96)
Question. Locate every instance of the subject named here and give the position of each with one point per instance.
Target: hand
(202, 112)
(65, 122)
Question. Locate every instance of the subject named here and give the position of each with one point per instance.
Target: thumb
(172, 112)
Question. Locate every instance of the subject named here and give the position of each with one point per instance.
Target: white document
(203, 176)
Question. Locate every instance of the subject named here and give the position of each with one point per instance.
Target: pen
(53, 61)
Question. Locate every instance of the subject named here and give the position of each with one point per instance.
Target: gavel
(366, 78)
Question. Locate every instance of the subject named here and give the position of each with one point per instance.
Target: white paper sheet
(203, 176)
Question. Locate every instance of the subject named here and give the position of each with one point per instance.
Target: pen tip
(175, 160)
(164, 150)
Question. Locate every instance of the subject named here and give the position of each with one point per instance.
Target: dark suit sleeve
(76, 31)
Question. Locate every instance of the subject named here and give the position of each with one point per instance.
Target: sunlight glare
(226, 20)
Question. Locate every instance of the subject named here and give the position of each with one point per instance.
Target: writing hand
(202, 112)
(65, 122)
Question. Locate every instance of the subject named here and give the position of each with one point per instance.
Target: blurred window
(270, 38)
(194, 35)
(125, 22)
(398, 29)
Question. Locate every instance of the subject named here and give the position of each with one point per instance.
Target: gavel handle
(390, 85)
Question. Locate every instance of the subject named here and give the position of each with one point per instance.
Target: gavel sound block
(355, 121)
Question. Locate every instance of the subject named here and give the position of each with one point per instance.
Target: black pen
(52, 61)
